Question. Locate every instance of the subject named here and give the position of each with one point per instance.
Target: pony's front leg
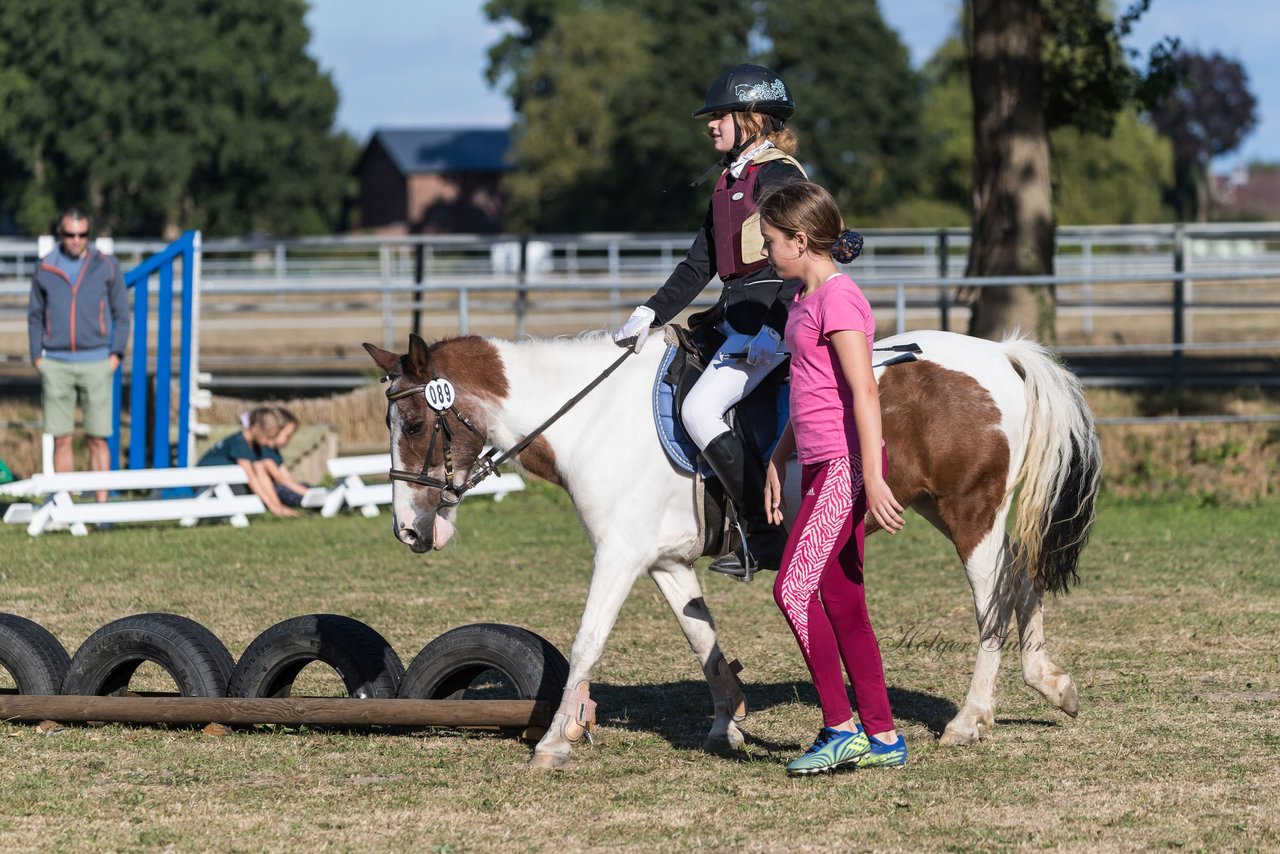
(1038, 670)
(679, 585)
(993, 601)
(616, 570)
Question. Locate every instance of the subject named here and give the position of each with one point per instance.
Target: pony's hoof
(1070, 702)
(548, 761)
(956, 737)
(722, 744)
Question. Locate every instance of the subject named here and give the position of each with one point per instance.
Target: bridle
(440, 396)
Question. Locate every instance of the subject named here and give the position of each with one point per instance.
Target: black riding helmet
(749, 87)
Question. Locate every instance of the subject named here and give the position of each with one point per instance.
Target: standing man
(78, 326)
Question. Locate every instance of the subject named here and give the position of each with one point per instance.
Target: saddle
(758, 420)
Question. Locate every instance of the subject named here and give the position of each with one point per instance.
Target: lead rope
(490, 463)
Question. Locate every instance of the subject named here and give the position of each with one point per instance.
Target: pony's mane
(590, 336)
(530, 344)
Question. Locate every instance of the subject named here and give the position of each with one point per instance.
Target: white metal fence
(308, 303)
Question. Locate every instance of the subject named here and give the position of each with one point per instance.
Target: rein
(439, 394)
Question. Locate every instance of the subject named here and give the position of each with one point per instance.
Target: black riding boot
(742, 476)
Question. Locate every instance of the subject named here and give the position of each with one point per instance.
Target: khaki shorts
(63, 383)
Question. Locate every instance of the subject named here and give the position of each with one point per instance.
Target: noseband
(440, 397)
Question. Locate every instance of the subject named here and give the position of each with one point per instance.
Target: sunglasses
(75, 234)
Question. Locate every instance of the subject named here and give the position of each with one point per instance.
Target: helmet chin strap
(739, 144)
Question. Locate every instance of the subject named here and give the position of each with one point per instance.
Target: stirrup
(733, 565)
(739, 563)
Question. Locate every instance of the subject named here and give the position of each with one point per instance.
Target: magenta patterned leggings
(820, 591)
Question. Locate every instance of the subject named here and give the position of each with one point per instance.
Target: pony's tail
(1061, 470)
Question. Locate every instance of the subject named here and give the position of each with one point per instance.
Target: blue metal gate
(186, 248)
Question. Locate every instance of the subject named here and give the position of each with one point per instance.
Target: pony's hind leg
(987, 568)
(679, 585)
(985, 557)
(615, 571)
(1037, 669)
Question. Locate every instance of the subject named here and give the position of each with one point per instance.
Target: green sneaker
(878, 753)
(830, 750)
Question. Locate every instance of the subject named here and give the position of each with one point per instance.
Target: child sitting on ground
(259, 427)
(288, 489)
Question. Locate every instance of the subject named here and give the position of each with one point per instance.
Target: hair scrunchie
(847, 247)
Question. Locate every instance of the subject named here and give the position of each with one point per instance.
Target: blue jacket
(87, 314)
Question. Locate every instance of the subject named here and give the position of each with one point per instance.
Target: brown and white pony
(972, 427)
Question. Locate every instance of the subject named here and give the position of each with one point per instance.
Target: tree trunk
(1204, 200)
(1012, 194)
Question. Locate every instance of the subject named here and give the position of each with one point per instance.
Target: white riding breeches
(725, 382)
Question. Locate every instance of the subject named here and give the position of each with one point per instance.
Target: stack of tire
(200, 665)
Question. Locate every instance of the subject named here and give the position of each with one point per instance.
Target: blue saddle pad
(680, 449)
(675, 441)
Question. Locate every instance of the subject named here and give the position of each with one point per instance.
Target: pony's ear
(384, 359)
(419, 356)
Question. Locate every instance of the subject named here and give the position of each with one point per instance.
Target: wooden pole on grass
(292, 711)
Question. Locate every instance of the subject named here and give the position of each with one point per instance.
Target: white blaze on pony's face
(429, 389)
(416, 510)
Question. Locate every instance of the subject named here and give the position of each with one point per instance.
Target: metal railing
(308, 303)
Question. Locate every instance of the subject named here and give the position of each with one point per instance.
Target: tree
(163, 114)
(1096, 178)
(1209, 113)
(1034, 66)
(620, 107)
(948, 133)
(275, 164)
(1116, 179)
(577, 78)
(1012, 232)
(641, 105)
(858, 109)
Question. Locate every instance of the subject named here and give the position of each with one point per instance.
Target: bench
(351, 491)
(214, 499)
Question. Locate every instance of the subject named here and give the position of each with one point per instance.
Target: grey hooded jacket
(88, 314)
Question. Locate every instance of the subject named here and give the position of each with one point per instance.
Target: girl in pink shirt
(835, 431)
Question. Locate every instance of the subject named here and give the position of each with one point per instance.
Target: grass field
(1172, 638)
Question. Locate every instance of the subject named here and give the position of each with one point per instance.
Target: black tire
(367, 664)
(198, 662)
(34, 658)
(451, 666)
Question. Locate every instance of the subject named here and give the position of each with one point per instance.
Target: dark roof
(418, 151)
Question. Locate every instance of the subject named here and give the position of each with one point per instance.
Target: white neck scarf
(741, 163)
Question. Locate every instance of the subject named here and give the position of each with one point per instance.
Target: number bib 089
(439, 394)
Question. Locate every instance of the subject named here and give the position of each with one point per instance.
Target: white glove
(637, 326)
(763, 347)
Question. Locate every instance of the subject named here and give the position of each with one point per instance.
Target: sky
(420, 63)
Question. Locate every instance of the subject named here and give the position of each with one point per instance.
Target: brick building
(1249, 193)
(430, 181)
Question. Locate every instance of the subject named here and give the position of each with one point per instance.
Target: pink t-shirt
(821, 400)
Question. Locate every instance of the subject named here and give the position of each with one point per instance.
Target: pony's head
(439, 401)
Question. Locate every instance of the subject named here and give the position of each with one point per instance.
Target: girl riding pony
(747, 108)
